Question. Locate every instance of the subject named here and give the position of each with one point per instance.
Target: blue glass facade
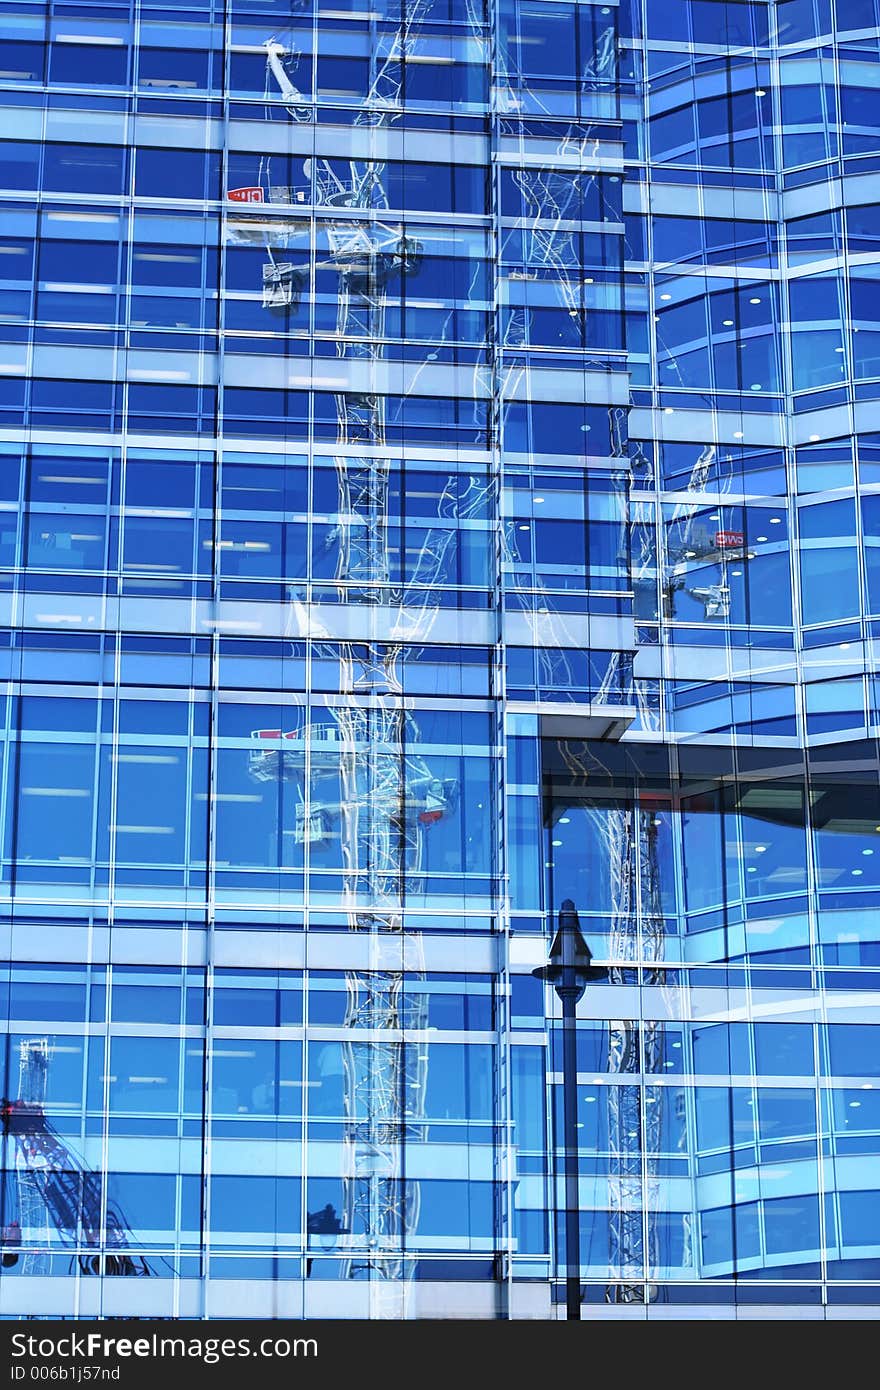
(440, 477)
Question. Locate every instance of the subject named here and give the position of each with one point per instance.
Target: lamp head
(570, 957)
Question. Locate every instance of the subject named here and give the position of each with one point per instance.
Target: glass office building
(440, 477)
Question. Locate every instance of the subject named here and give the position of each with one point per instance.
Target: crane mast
(629, 834)
(387, 796)
(634, 1114)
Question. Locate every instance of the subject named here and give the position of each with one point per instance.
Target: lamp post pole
(569, 970)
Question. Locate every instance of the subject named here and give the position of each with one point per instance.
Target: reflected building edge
(439, 480)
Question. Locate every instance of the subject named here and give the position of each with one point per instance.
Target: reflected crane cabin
(364, 255)
(691, 541)
(280, 755)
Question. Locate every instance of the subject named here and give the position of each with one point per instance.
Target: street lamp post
(569, 970)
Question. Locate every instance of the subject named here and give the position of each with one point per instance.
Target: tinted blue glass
(506, 546)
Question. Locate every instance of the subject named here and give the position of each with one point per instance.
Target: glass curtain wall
(439, 447)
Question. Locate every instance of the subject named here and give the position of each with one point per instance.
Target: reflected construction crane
(551, 200)
(599, 70)
(634, 1114)
(690, 541)
(378, 841)
(360, 776)
(629, 834)
(687, 542)
(361, 780)
(365, 253)
(56, 1190)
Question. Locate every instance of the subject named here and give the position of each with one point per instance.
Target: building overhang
(562, 719)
